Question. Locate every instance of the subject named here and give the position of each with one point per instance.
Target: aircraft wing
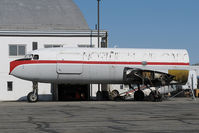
(154, 78)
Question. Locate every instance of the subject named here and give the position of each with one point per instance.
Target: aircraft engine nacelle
(180, 76)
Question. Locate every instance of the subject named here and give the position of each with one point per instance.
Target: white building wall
(21, 87)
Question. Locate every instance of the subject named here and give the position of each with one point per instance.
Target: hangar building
(27, 25)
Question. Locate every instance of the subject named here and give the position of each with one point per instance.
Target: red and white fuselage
(94, 65)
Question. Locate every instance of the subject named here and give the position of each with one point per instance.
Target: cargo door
(69, 63)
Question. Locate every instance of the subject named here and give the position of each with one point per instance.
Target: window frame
(35, 57)
(34, 45)
(8, 87)
(18, 45)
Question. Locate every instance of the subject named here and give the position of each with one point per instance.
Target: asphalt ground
(179, 115)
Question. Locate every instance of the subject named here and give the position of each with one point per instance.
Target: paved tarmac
(179, 115)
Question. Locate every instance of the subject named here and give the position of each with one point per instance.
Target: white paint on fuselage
(92, 66)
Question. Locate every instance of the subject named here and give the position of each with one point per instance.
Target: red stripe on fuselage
(16, 63)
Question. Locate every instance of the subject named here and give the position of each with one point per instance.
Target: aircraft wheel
(155, 96)
(32, 97)
(139, 95)
(152, 96)
(99, 95)
(158, 97)
(114, 94)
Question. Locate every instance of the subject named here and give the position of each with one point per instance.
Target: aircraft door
(69, 63)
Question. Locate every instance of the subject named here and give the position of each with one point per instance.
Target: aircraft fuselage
(93, 65)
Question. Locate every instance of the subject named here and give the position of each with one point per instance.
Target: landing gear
(33, 96)
(139, 95)
(99, 95)
(155, 96)
(114, 95)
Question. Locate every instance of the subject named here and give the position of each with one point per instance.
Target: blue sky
(147, 23)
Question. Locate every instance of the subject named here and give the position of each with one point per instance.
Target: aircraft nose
(13, 66)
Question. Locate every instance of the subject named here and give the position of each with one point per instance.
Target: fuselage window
(35, 57)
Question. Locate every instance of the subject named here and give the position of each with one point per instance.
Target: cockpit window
(29, 56)
(35, 57)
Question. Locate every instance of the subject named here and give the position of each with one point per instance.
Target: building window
(34, 46)
(53, 45)
(17, 50)
(104, 42)
(10, 85)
